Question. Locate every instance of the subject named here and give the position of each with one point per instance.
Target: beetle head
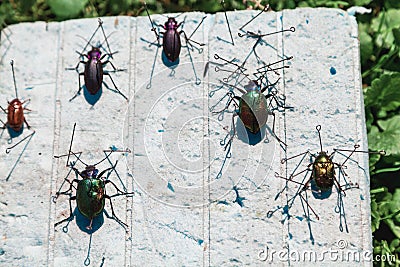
(90, 172)
(323, 157)
(252, 86)
(94, 53)
(171, 24)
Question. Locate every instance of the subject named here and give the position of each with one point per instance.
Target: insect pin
(323, 175)
(94, 67)
(171, 37)
(252, 107)
(15, 115)
(91, 189)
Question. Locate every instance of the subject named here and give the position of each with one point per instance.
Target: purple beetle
(93, 73)
(171, 37)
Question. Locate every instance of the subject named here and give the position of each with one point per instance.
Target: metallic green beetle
(91, 189)
(253, 107)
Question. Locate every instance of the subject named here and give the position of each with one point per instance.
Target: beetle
(323, 175)
(252, 106)
(93, 72)
(171, 37)
(91, 189)
(15, 113)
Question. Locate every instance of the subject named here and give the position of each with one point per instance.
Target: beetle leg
(3, 109)
(19, 142)
(108, 74)
(71, 215)
(234, 131)
(295, 156)
(113, 213)
(112, 65)
(273, 129)
(120, 193)
(67, 192)
(4, 125)
(80, 87)
(27, 123)
(308, 205)
(188, 42)
(268, 86)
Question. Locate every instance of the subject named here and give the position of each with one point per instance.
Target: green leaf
(67, 8)
(362, 2)
(384, 93)
(396, 35)
(387, 140)
(383, 25)
(366, 44)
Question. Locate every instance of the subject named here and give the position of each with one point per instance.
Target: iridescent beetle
(15, 114)
(323, 175)
(91, 189)
(93, 73)
(252, 107)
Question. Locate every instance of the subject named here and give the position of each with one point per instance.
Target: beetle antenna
(265, 8)
(319, 135)
(152, 24)
(227, 21)
(15, 84)
(253, 34)
(90, 39)
(196, 30)
(111, 151)
(264, 70)
(70, 144)
(105, 37)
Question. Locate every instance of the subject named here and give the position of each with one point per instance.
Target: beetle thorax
(15, 104)
(95, 53)
(171, 24)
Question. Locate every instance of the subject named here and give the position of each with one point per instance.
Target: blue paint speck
(114, 148)
(307, 21)
(361, 197)
(223, 202)
(161, 131)
(299, 218)
(200, 241)
(285, 209)
(281, 18)
(170, 187)
(28, 88)
(333, 71)
(290, 236)
(238, 199)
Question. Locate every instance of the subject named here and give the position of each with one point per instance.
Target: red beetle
(15, 113)
(15, 110)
